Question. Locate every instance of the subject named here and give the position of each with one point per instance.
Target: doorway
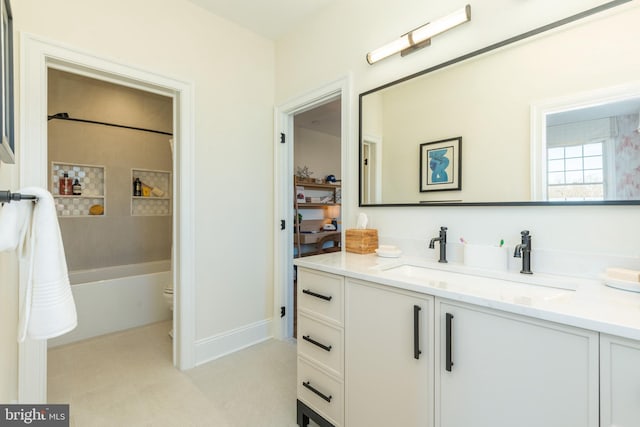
(318, 185)
(102, 139)
(371, 166)
(337, 92)
(38, 56)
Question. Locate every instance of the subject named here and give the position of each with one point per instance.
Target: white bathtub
(116, 298)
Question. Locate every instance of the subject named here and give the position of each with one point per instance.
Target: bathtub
(116, 298)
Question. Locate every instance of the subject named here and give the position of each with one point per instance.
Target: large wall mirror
(548, 117)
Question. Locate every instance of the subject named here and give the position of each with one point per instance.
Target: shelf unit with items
(90, 201)
(310, 194)
(154, 197)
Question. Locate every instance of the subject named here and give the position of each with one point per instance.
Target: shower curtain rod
(65, 116)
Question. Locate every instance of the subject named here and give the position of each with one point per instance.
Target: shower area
(110, 170)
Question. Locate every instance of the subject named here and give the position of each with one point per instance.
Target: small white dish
(625, 285)
(388, 251)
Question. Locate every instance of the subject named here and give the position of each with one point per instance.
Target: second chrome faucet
(442, 239)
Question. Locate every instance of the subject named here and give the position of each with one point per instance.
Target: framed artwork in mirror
(7, 148)
(441, 165)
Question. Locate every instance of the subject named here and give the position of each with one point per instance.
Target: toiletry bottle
(137, 187)
(65, 185)
(77, 188)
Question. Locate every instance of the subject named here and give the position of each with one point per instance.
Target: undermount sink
(447, 272)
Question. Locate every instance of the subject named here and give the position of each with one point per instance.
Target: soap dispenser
(77, 188)
(64, 186)
(137, 187)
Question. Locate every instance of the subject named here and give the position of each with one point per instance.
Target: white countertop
(579, 302)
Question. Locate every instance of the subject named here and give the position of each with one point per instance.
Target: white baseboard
(211, 348)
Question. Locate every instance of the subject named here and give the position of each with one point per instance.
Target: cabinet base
(305, 413)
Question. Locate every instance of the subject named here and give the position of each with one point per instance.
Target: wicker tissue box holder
(361, 241)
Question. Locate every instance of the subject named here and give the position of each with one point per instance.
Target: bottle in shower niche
(137, 187)
(77, 188)
(65, 185)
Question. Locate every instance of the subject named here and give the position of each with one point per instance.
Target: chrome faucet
(443, 244)
(523, 250)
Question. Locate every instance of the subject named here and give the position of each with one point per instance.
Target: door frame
(375, 150)
(283, 187)
(37, 55)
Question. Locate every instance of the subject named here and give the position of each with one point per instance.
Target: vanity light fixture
(421, 36)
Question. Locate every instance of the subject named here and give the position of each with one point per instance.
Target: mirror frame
(478, 52)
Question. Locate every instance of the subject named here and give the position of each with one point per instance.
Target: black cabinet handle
(314, 342)
(313, 294)
(449, 361)
(416, 332)
(313, 389)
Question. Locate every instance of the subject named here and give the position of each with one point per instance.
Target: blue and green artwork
(438, 163)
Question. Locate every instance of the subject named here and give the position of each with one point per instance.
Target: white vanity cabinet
(619, 382)
(498, 369)
(320, 386)
(389, 356)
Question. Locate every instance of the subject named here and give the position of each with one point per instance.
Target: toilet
(167, 294)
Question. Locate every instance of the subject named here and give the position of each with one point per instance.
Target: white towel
(13, 220)
(48, 309)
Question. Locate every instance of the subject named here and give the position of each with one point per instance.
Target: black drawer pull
(449, 361)
(313, 294)
(314, 342)
(322, 395)
(416, 332)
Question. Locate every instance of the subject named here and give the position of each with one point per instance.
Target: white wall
(8, 305)
(317, 150)
(313, 55)
(232, 71)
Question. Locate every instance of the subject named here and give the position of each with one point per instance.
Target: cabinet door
(620, 382)
(506, 370)
(389, 357)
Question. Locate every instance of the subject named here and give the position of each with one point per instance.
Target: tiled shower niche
(152, 203)
(92, 181)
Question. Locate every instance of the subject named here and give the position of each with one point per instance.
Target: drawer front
(321, 392)
(321, 294)
(322, 343)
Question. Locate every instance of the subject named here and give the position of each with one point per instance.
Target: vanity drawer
(321, 294)
(321, 392)
(322, 343)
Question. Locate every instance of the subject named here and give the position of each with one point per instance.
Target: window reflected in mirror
(593, 153)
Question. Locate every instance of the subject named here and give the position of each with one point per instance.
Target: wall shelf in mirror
(487, 97)
(92, 189)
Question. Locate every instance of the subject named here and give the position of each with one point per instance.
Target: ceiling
(611, 109)
(324, 118)
(269, 18)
